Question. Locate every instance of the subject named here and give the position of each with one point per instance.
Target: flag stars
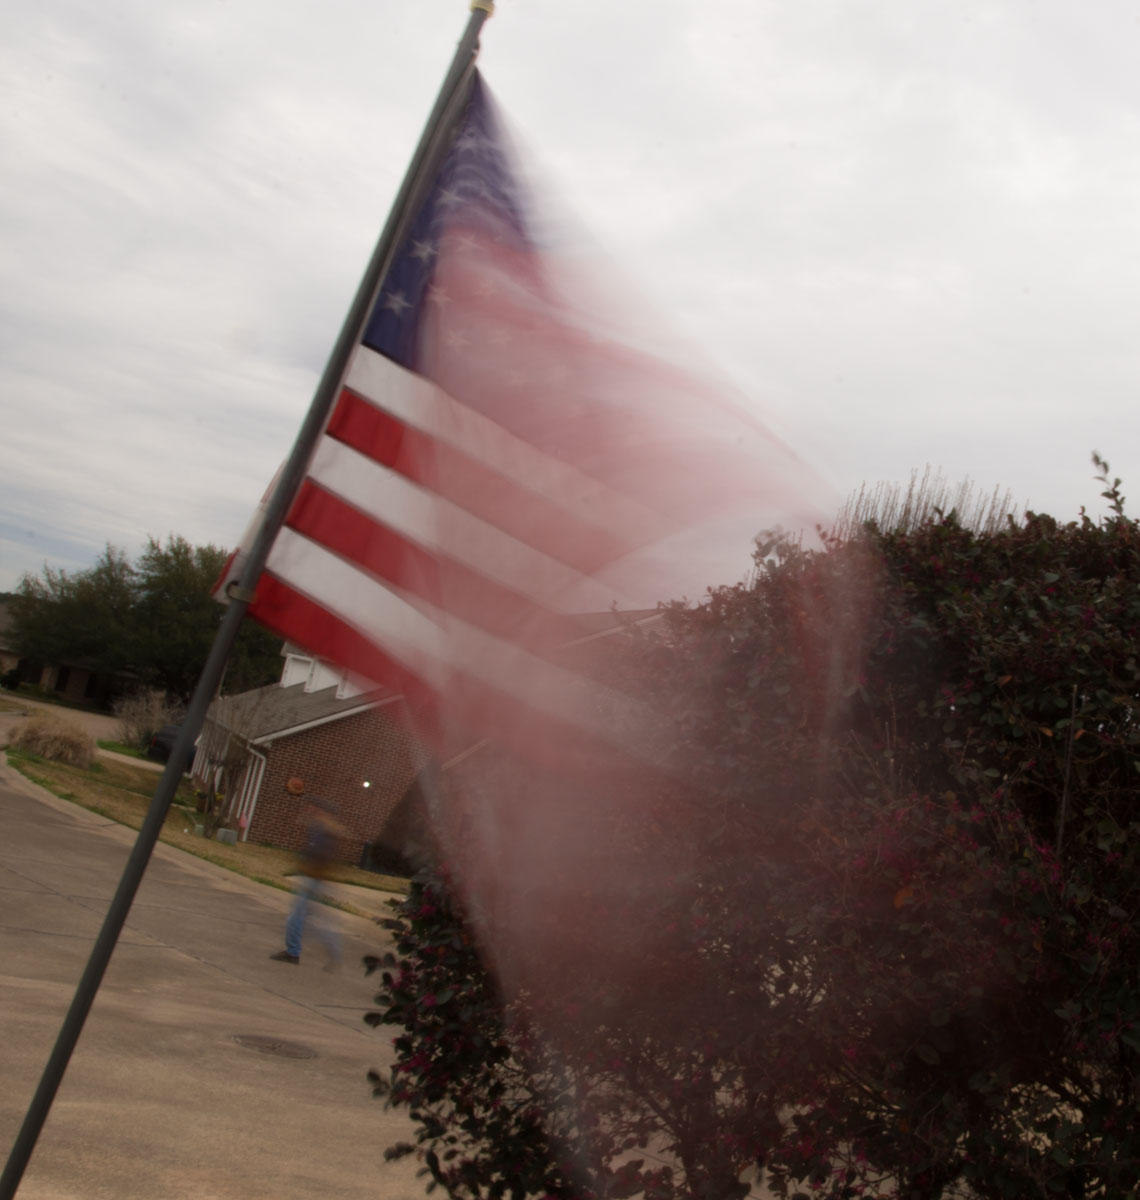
(449, 198)
(396, 302)
(424, 251)
(438, 297)
(456, 340)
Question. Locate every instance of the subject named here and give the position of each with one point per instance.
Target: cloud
(911, 232)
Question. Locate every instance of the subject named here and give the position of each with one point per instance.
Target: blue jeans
(309, 892)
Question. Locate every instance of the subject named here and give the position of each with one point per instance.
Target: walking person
(322, 841)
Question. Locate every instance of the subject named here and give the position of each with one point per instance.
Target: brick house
(352, 747)
(348, 745)
(76, 681)
(9, 658)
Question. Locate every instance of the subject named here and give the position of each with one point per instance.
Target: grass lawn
(122, 792)
(120, 748)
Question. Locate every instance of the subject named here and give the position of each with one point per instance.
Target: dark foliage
(901, 955)
(153, 620)
(455, 1070)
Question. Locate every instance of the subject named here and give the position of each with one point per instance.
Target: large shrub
(142, 714)
(898, 954)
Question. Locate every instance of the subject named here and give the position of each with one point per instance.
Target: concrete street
(161, 1100)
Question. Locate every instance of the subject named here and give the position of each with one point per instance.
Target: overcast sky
(909, 230)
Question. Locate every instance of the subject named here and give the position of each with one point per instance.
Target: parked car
(162, 745)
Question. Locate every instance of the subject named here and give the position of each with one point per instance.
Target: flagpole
(427, 157)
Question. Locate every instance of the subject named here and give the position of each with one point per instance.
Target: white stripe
(431, 643)
(443, 528)
(424, 406)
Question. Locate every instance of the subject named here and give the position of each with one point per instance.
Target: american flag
(504, 450)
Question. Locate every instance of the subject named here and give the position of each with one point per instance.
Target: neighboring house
(347, 745)
(74, 681)
(9, 659)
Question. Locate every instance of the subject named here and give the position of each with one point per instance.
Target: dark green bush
(898, 956)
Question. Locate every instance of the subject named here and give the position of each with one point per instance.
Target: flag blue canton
(476, 191)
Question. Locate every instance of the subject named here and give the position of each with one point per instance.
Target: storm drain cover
(272, 1045)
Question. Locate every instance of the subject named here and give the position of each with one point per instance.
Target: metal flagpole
(427, 157)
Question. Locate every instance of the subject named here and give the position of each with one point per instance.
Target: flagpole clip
(487, 6)
(235, 591)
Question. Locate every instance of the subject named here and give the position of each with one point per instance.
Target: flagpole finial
(487, 6)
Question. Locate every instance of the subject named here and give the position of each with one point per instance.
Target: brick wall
(335, 760)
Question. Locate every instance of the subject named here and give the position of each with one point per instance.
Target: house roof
(268, 713)
(272, 712)
(584, 644)
(583, 627)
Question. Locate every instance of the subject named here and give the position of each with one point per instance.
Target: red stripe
(449, 585)
(525, 515)
(475, 707)
(645, 428)
(298, 619)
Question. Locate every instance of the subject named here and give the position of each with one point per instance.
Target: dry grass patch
(122, 792)
(143, 714)
(53, 737)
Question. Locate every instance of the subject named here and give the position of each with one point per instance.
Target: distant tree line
(149, 622)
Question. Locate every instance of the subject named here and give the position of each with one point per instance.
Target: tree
(154, 620)
(896, 951)
(83, 617)
(174, 614)
(176, 618)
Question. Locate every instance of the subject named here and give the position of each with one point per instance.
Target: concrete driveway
(167, 1095)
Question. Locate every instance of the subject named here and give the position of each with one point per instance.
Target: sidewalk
(168, 1094)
